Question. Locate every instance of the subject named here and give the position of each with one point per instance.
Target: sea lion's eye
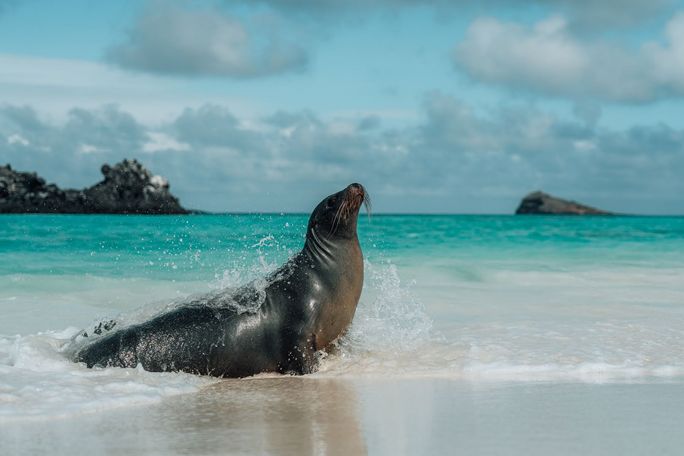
(331, 202)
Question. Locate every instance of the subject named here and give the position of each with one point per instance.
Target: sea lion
(300, 309)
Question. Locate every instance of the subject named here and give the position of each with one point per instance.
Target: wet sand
(320, 415)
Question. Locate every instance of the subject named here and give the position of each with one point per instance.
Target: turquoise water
(202, 246)
(468, 310)
(456, 268)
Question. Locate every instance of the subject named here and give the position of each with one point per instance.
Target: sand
(374, 415)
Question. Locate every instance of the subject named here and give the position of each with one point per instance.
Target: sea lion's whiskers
(338, 217)
(367, 203)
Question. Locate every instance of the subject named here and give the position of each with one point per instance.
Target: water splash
(38, 383)
(390, 323)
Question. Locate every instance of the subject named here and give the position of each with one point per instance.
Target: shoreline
(300, 415)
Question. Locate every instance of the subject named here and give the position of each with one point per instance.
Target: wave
(392, 335)
(37, 382)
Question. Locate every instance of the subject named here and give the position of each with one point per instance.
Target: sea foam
(38, 382)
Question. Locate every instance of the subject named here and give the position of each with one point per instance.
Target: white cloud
(167, 39)
(585, 145)
(550, 59)
(88, 149)
(668, 61)
(17, 139)
(453, 160)
(159, 141)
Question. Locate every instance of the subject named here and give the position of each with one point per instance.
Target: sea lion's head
(335, 217)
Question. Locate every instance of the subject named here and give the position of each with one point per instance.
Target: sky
(436, 106)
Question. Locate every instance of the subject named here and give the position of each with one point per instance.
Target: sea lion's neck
(325, 251)
(337, 265)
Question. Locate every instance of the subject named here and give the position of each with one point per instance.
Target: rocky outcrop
(130, 188)
(127, 188)
(545, 204)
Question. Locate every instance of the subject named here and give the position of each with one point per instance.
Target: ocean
(474, 334)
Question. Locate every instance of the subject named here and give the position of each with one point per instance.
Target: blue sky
(436, 106)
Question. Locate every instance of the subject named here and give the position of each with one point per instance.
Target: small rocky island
(544, 204)
(128, 188)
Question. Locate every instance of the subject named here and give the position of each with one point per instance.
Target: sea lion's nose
(356, 190)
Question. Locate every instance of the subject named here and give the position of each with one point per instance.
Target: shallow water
(541, 329)
(389, 416)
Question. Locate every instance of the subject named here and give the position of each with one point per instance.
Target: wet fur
(307, 304)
